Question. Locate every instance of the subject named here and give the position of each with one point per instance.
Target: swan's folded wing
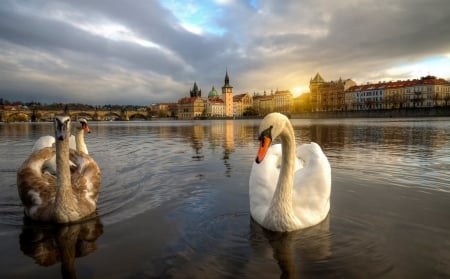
(43, 142)
(86, 175)
(36, 188)
(312, 184)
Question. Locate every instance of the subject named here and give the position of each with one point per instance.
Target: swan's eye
(266, 133)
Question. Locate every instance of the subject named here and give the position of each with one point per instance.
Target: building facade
(215, 107)
(329, 96)
(394, 95)
(315, 84)
(193, 106)
(426, 92)
(164, 109)
(283, 101)
(241, 104)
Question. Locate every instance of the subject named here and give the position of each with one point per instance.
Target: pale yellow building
(215, 107)
(394, 95)
(426, 92)
(266, 105)
(241, 103)
(283, 101)
(191, 107)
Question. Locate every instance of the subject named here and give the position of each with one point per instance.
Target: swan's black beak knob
(264, 144)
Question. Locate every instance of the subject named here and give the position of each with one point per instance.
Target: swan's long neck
(281, 213)
(63, 198)
(286, 178)
(79, 140)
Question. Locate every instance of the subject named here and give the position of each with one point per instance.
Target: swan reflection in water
(49, 244)
(296, 252)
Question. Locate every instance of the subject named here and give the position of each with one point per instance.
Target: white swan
(68, 197)
(75, 142)
(78, 140)
(288, 193)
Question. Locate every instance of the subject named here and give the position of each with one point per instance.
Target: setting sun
(298, 90)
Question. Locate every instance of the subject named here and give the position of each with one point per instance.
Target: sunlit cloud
(436, 65)
(104, 28)
(115, 32)
(193, 28)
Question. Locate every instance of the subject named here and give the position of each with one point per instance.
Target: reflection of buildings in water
(26, 129)
(295, 250)
(49, 244)
(222, 133)
(166, 132)
(395, 136)
(198, 135)
(229, 136)
(228, 145)
(246, 135)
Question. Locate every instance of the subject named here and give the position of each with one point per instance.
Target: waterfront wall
(417, 112)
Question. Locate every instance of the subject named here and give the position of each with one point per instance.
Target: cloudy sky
(146, 51)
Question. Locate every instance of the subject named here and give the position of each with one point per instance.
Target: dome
(213, 93)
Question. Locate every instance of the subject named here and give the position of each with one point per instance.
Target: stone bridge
(37, 115)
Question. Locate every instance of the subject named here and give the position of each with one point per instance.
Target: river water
(174, 204)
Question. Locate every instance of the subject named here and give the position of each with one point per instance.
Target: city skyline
(111, 52)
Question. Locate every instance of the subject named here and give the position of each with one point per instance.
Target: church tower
(315, 85)
(227, 96)
(195, 92)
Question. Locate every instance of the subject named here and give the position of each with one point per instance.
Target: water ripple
(390, 196)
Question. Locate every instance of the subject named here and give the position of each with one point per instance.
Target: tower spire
(195, 91)
(227, 79)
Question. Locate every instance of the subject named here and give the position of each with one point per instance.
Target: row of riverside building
(340, 95)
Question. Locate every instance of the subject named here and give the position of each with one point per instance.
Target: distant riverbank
(416, 112)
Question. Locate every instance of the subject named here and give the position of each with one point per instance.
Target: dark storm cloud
(65, 51)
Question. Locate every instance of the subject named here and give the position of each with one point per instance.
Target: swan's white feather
(42, 142)
(49, 141)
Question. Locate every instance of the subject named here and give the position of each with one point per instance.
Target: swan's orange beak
(85, 127)
(264, 143)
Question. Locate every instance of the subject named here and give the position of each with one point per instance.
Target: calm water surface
(174, 203)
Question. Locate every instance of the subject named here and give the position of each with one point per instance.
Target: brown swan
(69, 196)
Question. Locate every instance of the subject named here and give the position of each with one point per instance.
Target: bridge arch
(96, 115)
(83, 114)
(18, 116)
(137, 116)
(46, 116)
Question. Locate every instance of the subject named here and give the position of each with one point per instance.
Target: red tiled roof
(239, 97)
(215, 100)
